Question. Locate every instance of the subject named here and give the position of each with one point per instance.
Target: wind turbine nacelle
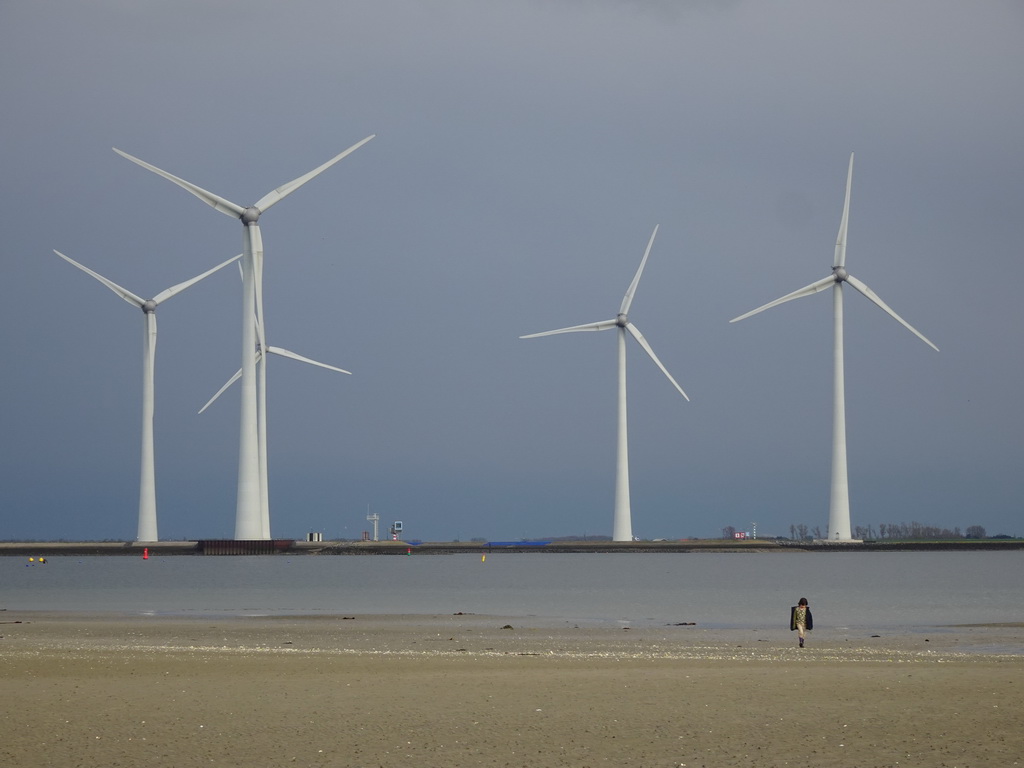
(621, 319)
(251, 215)
(840, 274)
(149, 307)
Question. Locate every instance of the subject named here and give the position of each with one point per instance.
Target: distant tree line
(913, 530)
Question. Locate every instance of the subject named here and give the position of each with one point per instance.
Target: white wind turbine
(262, 403)
(248, 516)
(147, 530)
(839, 498)
(622, 525)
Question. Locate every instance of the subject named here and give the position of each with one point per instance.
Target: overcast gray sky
(524, 152)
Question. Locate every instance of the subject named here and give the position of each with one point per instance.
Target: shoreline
(477, 690)
(277, 547)
(493, 635)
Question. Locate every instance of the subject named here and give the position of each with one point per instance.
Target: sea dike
(227, 547)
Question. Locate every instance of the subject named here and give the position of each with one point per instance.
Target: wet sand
(470, 690)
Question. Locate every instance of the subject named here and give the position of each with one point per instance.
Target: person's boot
(801, 642)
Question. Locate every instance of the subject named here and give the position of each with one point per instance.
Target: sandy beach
(472, 690)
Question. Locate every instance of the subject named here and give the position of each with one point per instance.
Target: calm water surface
(864, 590)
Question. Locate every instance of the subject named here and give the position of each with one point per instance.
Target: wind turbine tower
(248, 516)
(261, 361)
(839, 495)
(622, 522)
(147, 530)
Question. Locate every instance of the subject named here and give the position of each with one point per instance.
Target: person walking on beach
(800, 619)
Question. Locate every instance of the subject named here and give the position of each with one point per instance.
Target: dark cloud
(524, 153)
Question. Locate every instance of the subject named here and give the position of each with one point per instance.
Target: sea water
(720, 590)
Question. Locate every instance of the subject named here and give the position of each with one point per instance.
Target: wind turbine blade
(604, 325)
(840, 258)
(858, 285)
(807, 290)
(647, 348)
(221, 204)
(151, 345)
(256, 249)
(176, 289)
(284, 190)
(221, 391)
(124, 293)
(301, 359)
(628, 298)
